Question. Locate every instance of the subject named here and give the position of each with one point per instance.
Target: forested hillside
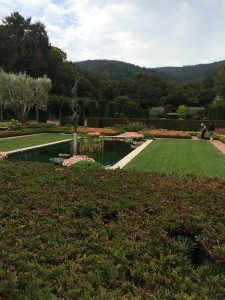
(117, 70)
(187, 73)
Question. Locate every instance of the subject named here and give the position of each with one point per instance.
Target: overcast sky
(147, 33)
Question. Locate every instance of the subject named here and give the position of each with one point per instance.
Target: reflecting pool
(109, 154)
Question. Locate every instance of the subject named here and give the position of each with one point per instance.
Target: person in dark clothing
(211, 131)
(203, 130)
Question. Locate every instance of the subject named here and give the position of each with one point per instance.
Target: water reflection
(110, 154)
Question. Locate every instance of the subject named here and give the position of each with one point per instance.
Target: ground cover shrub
(97, 234)
(85, 164)
(14, 125)
(148, 136)
(132, 126)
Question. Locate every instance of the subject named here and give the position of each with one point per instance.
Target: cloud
(143, 32)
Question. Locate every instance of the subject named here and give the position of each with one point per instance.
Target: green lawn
(181, 157)
(30, 141)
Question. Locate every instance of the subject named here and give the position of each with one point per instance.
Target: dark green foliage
(101, 108)
(59, 106)
(131, 110)
(145, 114)
(96, 234)
(219, 83)
(185, 125)
(92, 109)
(42, 128)
(148, 136)
(117, 70)
(81, 117)
(187, 73)
(42, 116)
(111, 107)
(87, 164)
(216, 113)
(65, 121)
(24, 46)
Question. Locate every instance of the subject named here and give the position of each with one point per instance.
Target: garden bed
(96, 234)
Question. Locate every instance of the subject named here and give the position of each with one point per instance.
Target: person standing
(203, 131)
(211, 131)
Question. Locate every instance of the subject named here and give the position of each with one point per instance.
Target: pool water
(111, 153)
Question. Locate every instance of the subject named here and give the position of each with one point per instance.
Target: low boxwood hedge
(104, 234)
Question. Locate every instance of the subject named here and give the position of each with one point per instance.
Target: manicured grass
(30, 141)
(181, 157)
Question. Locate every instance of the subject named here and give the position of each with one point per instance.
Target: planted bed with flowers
(163, 133)
(221, 137)
(99, 131)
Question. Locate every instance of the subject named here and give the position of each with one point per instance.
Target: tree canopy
(24, 46)
(21, 92)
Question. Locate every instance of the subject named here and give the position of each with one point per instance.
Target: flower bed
(221, 137)
(96, 131)
(168, 133)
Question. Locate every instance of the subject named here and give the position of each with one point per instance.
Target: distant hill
(187, 73)
(117, 70)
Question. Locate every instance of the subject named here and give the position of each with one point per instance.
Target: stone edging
(121, 163)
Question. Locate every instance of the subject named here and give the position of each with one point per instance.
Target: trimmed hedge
(96, 234)
(184, 125)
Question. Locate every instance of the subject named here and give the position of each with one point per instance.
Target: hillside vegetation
(117, 70)
(195, 72)
(96, 234)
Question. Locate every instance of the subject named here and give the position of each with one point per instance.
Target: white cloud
(143, 32)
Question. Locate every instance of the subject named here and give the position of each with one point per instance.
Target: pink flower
(76, 158)
(3, 155)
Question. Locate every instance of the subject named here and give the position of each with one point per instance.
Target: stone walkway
(219, 145)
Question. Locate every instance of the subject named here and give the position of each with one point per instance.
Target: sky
(147, 33)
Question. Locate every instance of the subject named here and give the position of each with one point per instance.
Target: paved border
(219, 145)
(121, 163)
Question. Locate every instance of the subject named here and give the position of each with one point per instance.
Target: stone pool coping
(124, 161)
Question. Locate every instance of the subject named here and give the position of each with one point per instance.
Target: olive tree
(20, 93)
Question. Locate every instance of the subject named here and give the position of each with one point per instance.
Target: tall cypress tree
(24, 46)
